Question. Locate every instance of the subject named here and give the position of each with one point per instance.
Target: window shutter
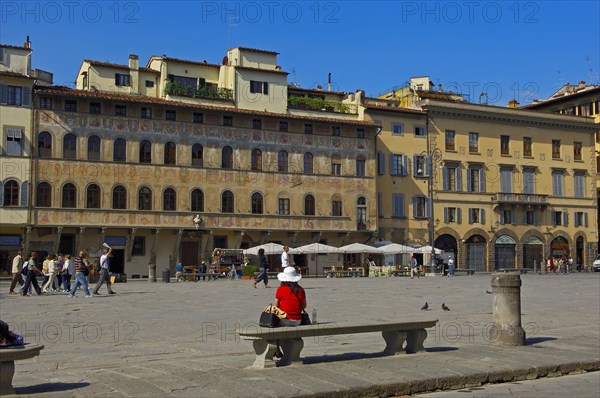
(401, 212)
(117, 79)
(428, 204)
(427, 162)
(535, 218)
(525, 217)
(379, 204)
(445, 215)
(414, 201)
(3, 93)
(404, 165)
(482, 216)
(266, 88)
(501, 217)
(24, 193)
(565, 219)
(469, 179)
(481, 180)
(1, 194)
(415, 166)
(560, 178)
(458, 215)
(554, 215)
(380, 163)
(585, 219)
(26, 96)
(513, 217)
(392, 170)
(576, 219)
(445, 178)
(470, 215)
(459, 179)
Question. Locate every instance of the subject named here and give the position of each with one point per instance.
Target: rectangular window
(473, 142)
(308, 129)
(475, 179)
(451, 215)
(45, 103)
(14, 142)
(198, 117)
(420, 207)
(579, 180)
(70, 105)
(398, 205)
(396, 165)
(558, 183)
(139, 246)
(529, 181)
(257, 87)
(360, 133)
(95, 107)
(555, 149)
(581, 219)
(527, 144)
(14, 95)
(505, 145)
(506, 180)
(360, 167)
(146, 113)
(188, 82)
(577, 150)
(284, 206)
(476, 216)
(450, 144)
(120, 110)
(419, 131)
(257, 124)
(170, 115)
(283, 126)
(149, 83)
(530, 217)
(397, 129)
(227, 120)
(335, 131)
(560, 218)
(507, 217)
(420, 166)
(452, 178)
(122, 80)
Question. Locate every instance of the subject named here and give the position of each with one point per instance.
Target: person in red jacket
(290, 296)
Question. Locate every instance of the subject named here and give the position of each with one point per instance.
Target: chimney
(27, 43)
(134, 62)
(581, 84)
(513, 104)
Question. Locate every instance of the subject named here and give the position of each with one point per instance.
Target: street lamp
(430, 159)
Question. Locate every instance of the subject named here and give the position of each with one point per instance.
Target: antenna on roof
(231, 25)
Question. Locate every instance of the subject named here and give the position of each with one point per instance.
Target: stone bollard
(534, 267)
(544, 267)
(506, 308)
(151, 273)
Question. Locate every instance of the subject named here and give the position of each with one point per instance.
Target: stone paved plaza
(179, 339)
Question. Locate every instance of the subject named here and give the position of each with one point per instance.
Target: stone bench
(519, 270)
(196, 275)
(468, 271)
(341, 273)
(395, 334)
(8, 356)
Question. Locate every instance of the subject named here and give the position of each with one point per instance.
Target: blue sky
(510, 49)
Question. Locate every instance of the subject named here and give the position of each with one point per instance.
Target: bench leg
(291, 349)
(7, 371)
(415, 340)
(264, 353)
(394, 340)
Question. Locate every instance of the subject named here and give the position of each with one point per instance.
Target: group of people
(560, 265)
(415, 269)
(58, 269)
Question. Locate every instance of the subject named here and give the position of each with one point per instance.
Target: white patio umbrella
(314, 248)
(360, 248)
(396, 248)
(270, 248)
(426, 249)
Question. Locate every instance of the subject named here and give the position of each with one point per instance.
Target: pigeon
(488, 292)
(444, 307)
(425, 307)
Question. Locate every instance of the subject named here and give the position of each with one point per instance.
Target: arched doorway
(533, 249)
(505, 249)
(559, 248)
(446, 243)
(578, 251)
(476, 253)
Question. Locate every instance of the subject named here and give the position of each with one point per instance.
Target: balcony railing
(520, 198)
(208, 92)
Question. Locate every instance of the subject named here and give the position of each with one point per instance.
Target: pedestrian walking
(414, 267)
(81, 269)
(263, 268)
(68, 270)
(451, 270)
(104, 275)
(52, 271)
(31, 280)
(17, 268)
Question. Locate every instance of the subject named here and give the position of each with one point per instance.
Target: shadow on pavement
(441, 349)
(49, 387)
(536, 340)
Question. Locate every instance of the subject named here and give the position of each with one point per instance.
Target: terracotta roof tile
(256, 50)
(394, 109)
(312, 90)
(15, 74)
(106, 64)
(65, 91)
(16, 47)
(186, 61)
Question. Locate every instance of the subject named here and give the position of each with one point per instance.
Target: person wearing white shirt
(68, 270)
(285, 258)
(104, 276)
(52, 270)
